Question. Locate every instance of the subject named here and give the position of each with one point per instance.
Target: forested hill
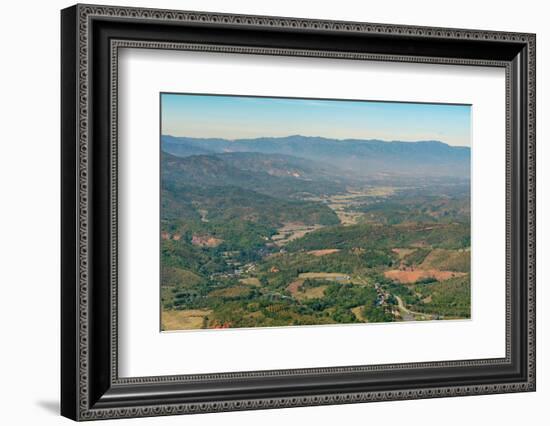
(273, 175)
(207, 183)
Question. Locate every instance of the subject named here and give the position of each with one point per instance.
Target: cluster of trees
(334, 307)
(376, 236)
(344, 261)
(271, 305)
(446, 202)
(448, 299)
(288, 177)
(434, 210)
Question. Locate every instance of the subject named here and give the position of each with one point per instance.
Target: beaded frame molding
(91, 39)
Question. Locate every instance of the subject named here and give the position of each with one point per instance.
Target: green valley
(256, 234)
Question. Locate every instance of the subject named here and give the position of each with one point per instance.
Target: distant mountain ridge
(363, 157)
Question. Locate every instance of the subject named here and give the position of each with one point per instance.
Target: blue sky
(236, 117)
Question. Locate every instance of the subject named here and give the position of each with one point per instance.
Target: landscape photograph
(280, 212)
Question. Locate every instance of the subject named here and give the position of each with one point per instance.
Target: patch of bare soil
(323, 252)
(294, 286)
(311, 293)
(358, 312)
(402, 252)
(331, 276)
(186, 319)
(205, 241)
(250, 281)
(411, 275)
(234, 291)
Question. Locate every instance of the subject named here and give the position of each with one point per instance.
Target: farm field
(184, 319)
(410, 276)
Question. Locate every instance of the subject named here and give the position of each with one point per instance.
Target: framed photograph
(263, 212)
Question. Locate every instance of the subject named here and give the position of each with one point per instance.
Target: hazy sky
(236, 117)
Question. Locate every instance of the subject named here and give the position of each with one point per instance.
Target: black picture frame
(90, 386)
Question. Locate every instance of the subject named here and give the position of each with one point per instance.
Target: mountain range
(359, 157)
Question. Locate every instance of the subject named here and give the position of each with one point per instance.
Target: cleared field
(346, 217)
(382, 191)
(358, 195)
(184, 320)
(358, 312)
(311, 293)
(449, 260)
(294, 286)
(235, 291)
(343, 204)
(250, 281)
(412, 275)
(333, 276)
(292, 231)
(206, 241)
(172, 276)
(204, 214)
(324, 252)
(402, 252)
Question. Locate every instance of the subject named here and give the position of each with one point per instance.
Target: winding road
(409, 315)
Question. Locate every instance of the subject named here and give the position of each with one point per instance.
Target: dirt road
(407, 314)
